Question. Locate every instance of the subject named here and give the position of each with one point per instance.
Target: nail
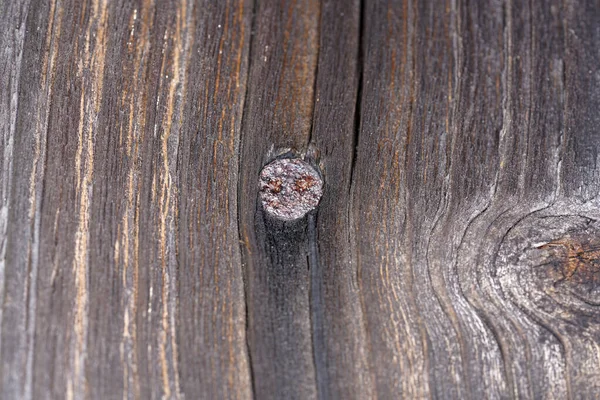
(289, 188)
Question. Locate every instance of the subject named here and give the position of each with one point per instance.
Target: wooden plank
(454, 253)
(277, 119)
(339, 341)
(403, 152)
(211, 317)
(108, 207)
(467, 121)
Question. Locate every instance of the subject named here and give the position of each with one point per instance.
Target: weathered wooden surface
(455, 253)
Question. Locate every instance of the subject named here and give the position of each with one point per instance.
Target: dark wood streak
(454, 253)
(277, 118)
(340, 355)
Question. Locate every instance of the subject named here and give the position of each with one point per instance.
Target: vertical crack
(239, 202)
(357, 108)
(315, 291)
(315, 74)
(357, 126)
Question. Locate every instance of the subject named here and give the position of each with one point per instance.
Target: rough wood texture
(455, 253)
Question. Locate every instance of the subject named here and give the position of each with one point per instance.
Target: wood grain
(454, 254)
(122, 239)
(277, 119)
(339, 341)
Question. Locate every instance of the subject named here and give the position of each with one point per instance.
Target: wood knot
(575, 259)
(289, 188)
(550, 266)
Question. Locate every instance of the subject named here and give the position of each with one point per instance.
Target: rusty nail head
(289, 188)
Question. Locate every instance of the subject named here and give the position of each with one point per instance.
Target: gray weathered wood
(123, 262)
(454, 253)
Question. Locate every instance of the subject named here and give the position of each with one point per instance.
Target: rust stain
(575, 260)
